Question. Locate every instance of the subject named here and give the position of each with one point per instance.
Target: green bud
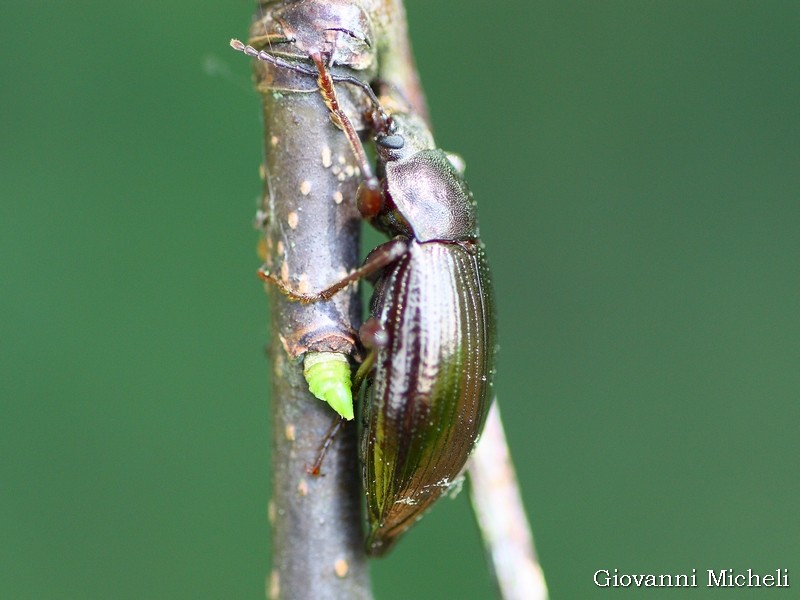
(328, 377)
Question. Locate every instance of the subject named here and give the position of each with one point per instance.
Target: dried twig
(497, 503)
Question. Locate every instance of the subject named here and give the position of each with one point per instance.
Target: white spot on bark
(341, 568)
(302, 487)
(326, 157)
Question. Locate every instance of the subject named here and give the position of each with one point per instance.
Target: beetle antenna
(298, 68)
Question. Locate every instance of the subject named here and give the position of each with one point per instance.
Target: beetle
(432, 330)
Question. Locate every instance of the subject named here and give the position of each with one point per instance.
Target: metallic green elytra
(328, 378)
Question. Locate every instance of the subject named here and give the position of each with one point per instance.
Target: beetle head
(424, 194)
(406, 135)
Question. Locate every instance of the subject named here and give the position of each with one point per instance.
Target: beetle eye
(391, 142)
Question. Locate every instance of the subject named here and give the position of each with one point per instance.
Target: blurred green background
(637, 165)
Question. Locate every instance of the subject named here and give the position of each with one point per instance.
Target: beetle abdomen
(429, 391)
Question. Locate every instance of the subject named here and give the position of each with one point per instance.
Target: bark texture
(311, 230)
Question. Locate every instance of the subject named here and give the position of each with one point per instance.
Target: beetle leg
(363, 370)
(383, 255)
(328, 91)
(315, 468)
(373, 336)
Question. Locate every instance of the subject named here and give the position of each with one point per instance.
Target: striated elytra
(429, 389)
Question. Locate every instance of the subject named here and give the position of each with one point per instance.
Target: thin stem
(501, 518)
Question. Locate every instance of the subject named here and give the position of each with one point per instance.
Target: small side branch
(498, 508)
